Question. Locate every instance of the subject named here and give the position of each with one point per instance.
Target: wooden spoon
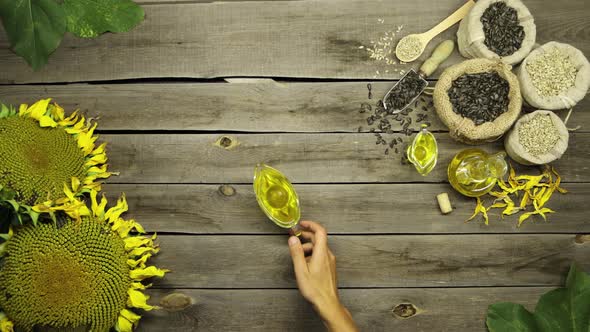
(424, 38)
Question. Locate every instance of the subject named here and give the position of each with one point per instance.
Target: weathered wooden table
(164, 100)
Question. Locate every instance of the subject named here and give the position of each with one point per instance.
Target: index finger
(320, 234)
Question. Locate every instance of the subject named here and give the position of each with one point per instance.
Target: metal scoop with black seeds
(409, 87)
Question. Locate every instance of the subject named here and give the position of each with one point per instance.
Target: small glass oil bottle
(277, 197)
(423, 153)
(474, 172)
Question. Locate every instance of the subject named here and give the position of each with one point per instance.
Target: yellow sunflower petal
(115, 212)
(5, 324)
(138, 299)
(148, 272)
(127, 320)
(57, 112)
(141, 261)
(140, 286)
(38, 109)
(22, 110)
(46, 121)
(75, 184)
(142, 250)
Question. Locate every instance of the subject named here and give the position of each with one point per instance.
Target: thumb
(298, 256)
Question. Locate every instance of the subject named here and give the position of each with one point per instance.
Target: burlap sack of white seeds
(519, 154)
(470, 37)
(464, 129)
(568, 98)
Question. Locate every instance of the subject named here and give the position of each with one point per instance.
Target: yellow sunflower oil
(474, 172)
(423, 152)
(276, 196)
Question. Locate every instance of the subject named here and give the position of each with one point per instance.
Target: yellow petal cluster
(5, 324)
(521, 193)
(135, 251)
(51, 148)
(139, 249)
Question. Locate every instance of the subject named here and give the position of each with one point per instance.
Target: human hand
(315, 270)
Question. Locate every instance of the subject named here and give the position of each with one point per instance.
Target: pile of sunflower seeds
(381, 122)
(405, 91)
(539, 135)
(552, 72)
(502, 30)
(481, 97)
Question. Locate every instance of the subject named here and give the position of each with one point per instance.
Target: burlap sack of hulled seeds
(471, 37)
(568, 98)
(464, 129)
(519, 154)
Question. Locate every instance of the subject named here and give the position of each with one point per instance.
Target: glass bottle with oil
(277, 197)
(423, 152)
(474, 172)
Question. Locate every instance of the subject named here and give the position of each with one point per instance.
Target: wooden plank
(263, 261)
(251, 107)
(342, 209)
(455, 309)
(278, 39)
(305, 158)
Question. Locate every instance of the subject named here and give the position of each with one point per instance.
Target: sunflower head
(41, 150)
(74, 273)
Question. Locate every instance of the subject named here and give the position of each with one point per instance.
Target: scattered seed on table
(359, 129)
(365, 107)
(369, 87)
(386, 151)
(396, 150)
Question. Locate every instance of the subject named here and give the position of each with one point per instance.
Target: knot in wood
(226, 142)
(405, 310)
(582, 238)
(176, 302)
(227, 190)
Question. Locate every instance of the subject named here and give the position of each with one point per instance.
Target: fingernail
(293, 240)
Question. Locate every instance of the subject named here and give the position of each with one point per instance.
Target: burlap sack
(464, 129)
(517, 152)
(568, 98)
(470, 36)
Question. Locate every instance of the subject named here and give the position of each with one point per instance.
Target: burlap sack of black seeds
(506, 41)
(554, 76)
(464, 129)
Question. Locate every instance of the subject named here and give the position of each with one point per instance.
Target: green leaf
(90, 18)
(566, 309)
(34, 28)
(562, 309)
(508, 316)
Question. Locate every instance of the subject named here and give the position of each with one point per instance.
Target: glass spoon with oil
(277, 197)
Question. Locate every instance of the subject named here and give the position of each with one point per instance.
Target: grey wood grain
(318, 39)
(263, 261)
(342, 208)
(251, 107)
(439, 309)
(304, 158)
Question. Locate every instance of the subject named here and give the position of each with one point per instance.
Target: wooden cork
(444, 203)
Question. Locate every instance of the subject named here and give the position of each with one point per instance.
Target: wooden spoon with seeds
(412, 46)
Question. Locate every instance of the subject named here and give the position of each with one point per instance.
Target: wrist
(332, 312)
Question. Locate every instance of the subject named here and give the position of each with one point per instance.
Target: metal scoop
(413, 83)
